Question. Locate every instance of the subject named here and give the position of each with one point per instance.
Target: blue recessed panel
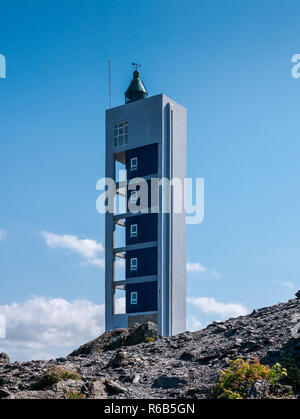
(141, 229)
(147, 161)
(146, 297)
(146, 262)
(150, 189)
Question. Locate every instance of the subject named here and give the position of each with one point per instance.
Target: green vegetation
(75, 396)
(150, 339)
(237, 380)
(55, 374)
(293, 371)
(275, 374)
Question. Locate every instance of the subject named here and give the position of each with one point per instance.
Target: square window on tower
(134, 163)
(134, 197)
(134, 297)
(133, 264)
(121, 134)
(133, 230)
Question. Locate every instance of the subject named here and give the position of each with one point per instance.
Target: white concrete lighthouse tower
(147, 137)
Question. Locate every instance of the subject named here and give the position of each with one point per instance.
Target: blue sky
(229, 63)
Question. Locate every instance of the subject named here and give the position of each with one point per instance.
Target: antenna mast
(109, 83)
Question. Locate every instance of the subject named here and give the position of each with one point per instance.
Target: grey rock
(285, 390)
(187, 356)
(97, 389)
(114, 387)
(220, 327)
(118, 360)
(30, 395)
(230, 332)
(259, 390)
(227, 362)
(166, 382)
(4, 393)
(142, 333)
(136, 378)
(118, 338)
(4, 358)
(61, 390)
(205, 358)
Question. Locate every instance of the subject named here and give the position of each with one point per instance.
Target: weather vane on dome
(136, 65)
(137, 89)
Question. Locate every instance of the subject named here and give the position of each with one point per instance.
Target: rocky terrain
(134, 363)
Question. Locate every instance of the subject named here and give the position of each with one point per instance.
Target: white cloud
(195, 267)
(210, 306)
(205, 273)
(100, 263)
(120, 305)
(288, 285)
(2, 327)
(193, 324)
(215, 274)
(3, 234)
(44, 328)
(88, 249)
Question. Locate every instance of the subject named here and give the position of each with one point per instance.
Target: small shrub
(237, 380)
(56, 374)
(276, 374)
(75, 396)
(228, 394)
(150, 339)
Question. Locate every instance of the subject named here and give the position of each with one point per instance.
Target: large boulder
(118, 338)
(146, 332)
